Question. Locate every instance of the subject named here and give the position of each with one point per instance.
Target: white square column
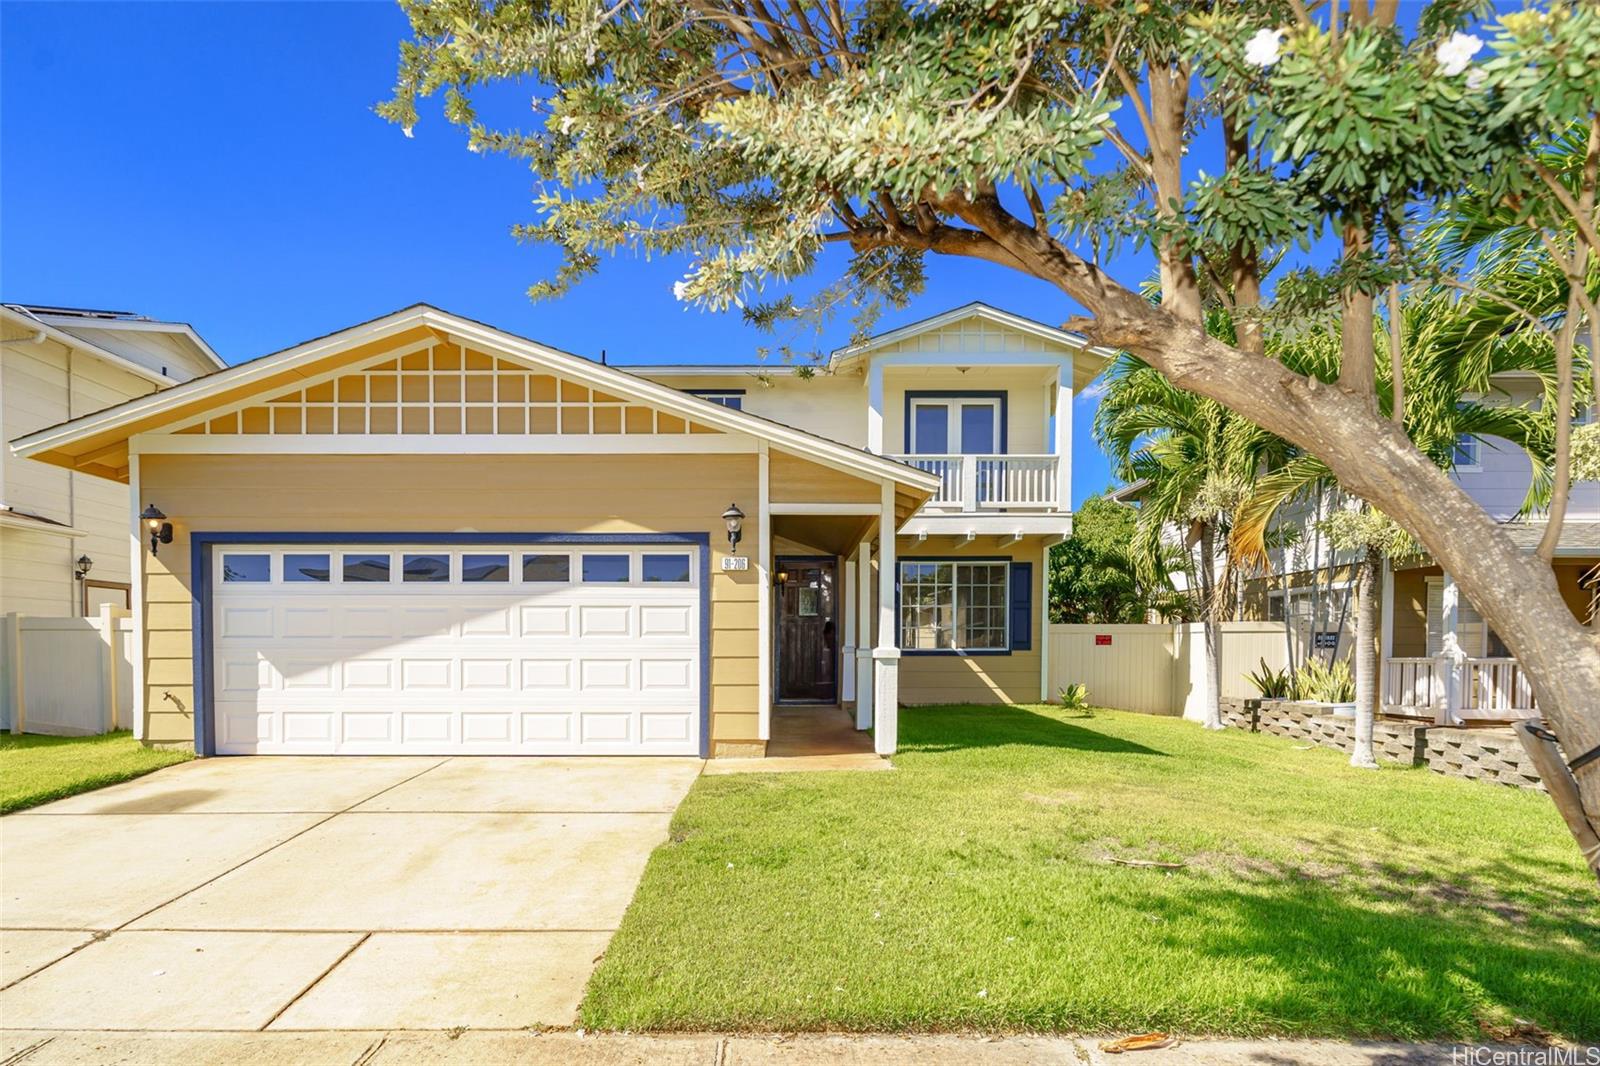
(1063, 436)
(765, 625)
(875, 408)
(863, 664)
(886, 656)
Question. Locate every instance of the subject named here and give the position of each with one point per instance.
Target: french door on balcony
(955, 426)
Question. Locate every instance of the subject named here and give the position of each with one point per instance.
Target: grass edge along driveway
(37, 769)
(973, 889)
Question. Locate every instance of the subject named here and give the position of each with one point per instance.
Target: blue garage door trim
(200, 553)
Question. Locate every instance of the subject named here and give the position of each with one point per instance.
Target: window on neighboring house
(956, 425)
(947, 605)
(1467, 456)
(733, 398)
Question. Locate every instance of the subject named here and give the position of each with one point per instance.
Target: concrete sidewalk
(561, 1048)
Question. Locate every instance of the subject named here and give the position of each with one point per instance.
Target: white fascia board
(13, 520)
(705, 370)
(972, 310)
(39, 325)
(140, 325)
(211, 384)
(961, 524)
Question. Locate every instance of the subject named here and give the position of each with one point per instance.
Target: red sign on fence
(1102, 640)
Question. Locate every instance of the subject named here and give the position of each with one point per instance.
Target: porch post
(847, 654)
(886, 656)
(1451, 656)
(136, 595)
(863, 663)
(1386, 637)
(875, 408)
(1063, 436)
(764, 628)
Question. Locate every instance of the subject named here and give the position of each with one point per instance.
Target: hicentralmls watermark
(1490, 1055)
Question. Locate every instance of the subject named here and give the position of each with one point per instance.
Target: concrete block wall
(1493, 755)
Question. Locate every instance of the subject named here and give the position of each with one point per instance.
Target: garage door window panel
(672, 569)
(425, 568)
(314, 567)
(361, 567)
(547, 569)
(603, 569)
(239, 567)
(480, 568)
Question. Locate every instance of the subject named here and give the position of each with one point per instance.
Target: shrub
(1271, 684)
(1074, 697)
(1319, 682)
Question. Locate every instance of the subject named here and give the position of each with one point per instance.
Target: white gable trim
(960, 314)
(487, 339)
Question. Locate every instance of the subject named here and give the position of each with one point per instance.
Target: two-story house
(64, 534)
(422, 534)
(1423, 617)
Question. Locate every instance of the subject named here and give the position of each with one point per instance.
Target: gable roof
(67, 442)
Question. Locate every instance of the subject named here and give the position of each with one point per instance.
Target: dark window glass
(425, 568)
(605, 568)
(247, 568)
(546, 568)
(486, 568)
(306, 568)
(932, 435)
(734, 400)
(977, 429)
(363, 567)
(666, 568)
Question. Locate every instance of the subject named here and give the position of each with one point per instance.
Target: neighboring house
(1421, 606)
(423, 534)
(56, 364)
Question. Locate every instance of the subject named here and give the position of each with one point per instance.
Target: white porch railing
(1486, 688)
(992, 482)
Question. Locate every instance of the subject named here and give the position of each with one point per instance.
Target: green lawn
(35, 769)
(972, 889)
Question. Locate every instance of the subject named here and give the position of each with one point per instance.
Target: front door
(807, 631)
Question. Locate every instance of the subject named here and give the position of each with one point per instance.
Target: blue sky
(220, 164)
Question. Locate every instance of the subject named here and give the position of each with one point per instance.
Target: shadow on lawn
(963, 726)
(1352, 954)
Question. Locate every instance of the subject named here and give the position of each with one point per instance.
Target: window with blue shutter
(1021, 606)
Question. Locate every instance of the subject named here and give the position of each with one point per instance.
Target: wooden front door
(807, 631)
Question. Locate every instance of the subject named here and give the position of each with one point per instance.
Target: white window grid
(951, 605)
(456, 555)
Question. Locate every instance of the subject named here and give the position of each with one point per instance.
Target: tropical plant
(1048, 137)
(1075, 696)
(1322, 682)
(1093, 577)
(1269, 683)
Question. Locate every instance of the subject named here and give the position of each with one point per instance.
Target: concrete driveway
(326, 893)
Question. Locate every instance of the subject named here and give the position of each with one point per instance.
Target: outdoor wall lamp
(735, 519)
(160, 528)
(83, 566)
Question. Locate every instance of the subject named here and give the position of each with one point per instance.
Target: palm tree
(1446, 356)
(1197, 459)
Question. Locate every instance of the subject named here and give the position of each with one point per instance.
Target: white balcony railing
(1484, 688)
(992, 482)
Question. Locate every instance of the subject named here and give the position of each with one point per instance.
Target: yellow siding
(796, 480)
(663, 493)
(1009, 678)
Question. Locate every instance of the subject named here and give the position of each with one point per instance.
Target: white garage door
(517, 649)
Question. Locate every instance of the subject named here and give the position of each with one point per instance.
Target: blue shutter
(1021, 606)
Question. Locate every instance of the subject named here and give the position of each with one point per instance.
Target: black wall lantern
(735, 519)
(160, 528)
(83, 566)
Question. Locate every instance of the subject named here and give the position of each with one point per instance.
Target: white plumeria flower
(1476, 78)
(407, 131)
(566, 123)
(1455, 53)
(1264, 48)
(680, 291)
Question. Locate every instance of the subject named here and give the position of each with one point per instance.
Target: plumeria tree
(1046, 137)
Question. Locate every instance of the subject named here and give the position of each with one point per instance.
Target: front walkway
(563, 1048)
(808, 737)
(324, 893)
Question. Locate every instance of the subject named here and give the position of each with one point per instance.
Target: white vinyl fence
(1160, 669)
(66, 676)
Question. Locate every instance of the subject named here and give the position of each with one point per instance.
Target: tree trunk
(1366, 658)
(1373, 458)
(1208, 582)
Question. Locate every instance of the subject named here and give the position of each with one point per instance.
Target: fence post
(109, 648)
(13, 639)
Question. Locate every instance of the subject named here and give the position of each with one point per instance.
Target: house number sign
(735, 562)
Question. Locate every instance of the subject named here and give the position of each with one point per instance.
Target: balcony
(970, 483)
(1495, 689)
